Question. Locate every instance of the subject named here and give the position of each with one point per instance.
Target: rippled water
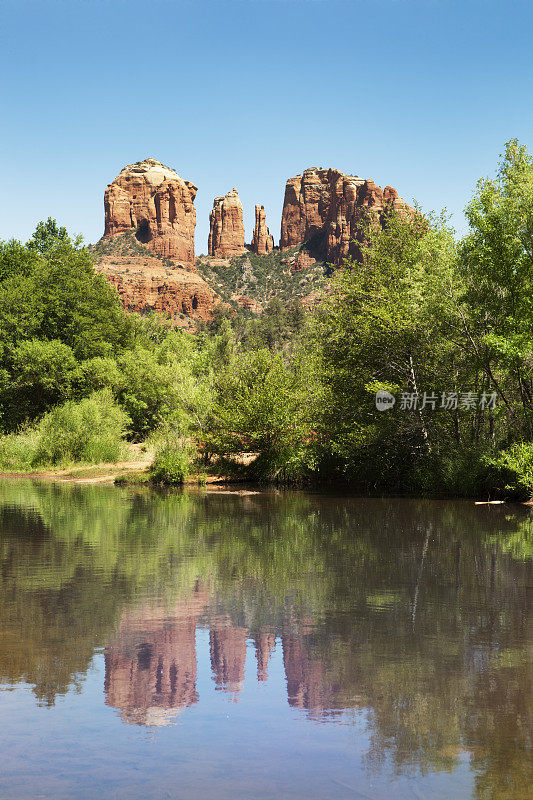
(263, 645)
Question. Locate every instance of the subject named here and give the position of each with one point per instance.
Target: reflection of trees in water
(414, 612)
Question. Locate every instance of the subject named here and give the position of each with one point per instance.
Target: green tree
(264, 408)
(41, 376)
(48, 235)
(55, 313)
(388, 324)
(497, 260)
(51, 291)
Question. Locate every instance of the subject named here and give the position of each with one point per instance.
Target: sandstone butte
(324, 208)
(147, 249)
(157, 205)
(262, 241)
(226, 227)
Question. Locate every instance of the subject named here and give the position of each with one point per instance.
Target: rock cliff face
(147, 251)
(149, 217)
(324, 208)
(145, 283)
(226, 226)
(262, 241)
(157, 205)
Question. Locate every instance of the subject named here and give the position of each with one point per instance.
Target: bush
(510, 474)
(90, 431)
(459, 470)
(264, 409)
(17, 451)
(173, 463)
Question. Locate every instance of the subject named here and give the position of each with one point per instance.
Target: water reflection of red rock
(151, 663)
(308, 685)
(227, 644)
(265, 644)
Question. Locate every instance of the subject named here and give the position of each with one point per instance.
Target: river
(259, 645)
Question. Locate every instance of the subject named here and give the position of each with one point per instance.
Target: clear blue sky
(419, 94)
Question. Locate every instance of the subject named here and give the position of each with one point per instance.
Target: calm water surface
(256, 646)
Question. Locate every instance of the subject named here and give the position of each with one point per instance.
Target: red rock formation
(248, 303)
(145, 283)
(262, 241)
(226, 226)
(157, 205)
(302, 261)
(325, 208)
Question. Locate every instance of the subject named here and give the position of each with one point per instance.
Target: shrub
(459, 470)
(90, 431)
(17, 451)
(173, 463)
(264, 409)
(510, 474)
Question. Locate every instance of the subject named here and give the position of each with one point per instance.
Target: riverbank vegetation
(444, 326)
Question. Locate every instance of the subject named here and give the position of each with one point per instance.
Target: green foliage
(510, 473)
(48, 235)
(458, 469)
(169, 383)
(89, 431)
(94, 374)
(387, 324)
(173, 463)
(55, 314)
(497, 258)
(17, 450)
(278, 327)
(264, 408)
(57, 295)
(40, 376)
(264, 277)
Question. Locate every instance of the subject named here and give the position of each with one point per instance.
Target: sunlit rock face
(147, 250)
(144, 283)
(262, 241)
(226, 226)
(324, 208)
(152, 200)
